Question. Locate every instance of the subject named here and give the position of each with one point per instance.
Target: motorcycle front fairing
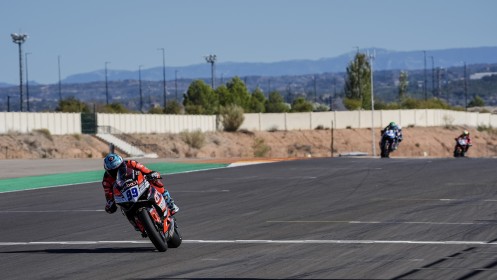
(391, 136)
(462, 142)
(135, 193)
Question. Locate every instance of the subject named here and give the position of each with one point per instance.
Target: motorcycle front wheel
(385, 150)
(176, 239)
(458, 152)
(152, 230)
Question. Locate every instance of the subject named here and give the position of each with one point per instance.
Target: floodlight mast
(19, 39)
(212, 60)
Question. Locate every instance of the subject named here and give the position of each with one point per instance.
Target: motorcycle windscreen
(390, 133)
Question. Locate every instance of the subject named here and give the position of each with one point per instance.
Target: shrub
(245, 131)
(231, 117)
(489, 129)
(352, 104)
(45, 132)
(195, 139)
(448, 120)
(77, 136)
(260, 148)
(273, 129)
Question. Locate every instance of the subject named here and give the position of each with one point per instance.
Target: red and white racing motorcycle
(144, 206)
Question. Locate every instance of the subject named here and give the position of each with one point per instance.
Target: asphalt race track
(336, 218)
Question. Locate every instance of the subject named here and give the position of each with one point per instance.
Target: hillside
(419, 142)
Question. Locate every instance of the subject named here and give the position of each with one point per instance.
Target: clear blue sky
(127, 33)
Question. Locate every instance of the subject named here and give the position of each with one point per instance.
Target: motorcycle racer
(465, 136)
(112, 163)
(398, 133)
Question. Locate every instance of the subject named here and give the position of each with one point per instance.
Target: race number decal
(132, 193)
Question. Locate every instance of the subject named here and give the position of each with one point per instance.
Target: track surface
(342, 218)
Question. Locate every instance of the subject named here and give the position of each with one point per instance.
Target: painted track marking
(400, 242)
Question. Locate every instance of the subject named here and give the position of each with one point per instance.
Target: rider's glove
(154, 175)
(154, 179)
(111, 206)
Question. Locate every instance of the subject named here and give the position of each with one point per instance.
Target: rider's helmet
(465, 133)
(392, 125)
(112, 162)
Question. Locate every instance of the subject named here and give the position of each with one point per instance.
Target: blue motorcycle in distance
(389, 142)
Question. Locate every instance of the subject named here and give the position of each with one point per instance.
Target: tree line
(200, 98)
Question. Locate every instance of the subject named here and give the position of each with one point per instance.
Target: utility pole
(8, 103)
(465, 87)
(27, 81)
(164, 76)
(60, 84)
(432, 76)
(315, 93)
(372, 56)
(140, 87)
(106, 85)
(176, 84)
(426, 80)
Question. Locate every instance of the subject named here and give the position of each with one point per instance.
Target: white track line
(402, 242)
(387, 222)
(48, 211)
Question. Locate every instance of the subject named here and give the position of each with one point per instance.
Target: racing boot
(170, 203)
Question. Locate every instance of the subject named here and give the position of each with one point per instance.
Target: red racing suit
(108, 180)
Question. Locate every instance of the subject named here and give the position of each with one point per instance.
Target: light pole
(212, 60)
(8, 103)
(140, 87)
(164, 74)
(432, 76)
(465, 86)
(371, 59)
(176, 84)
(315, 93)
(426, 81)
(19, 39)
(27, 81)
(106, 85)
(60, 83)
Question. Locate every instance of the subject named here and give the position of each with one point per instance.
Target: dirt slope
(418, 142)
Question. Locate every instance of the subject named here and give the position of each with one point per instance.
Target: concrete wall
(153, 123)
(56, 123)
(70, 123)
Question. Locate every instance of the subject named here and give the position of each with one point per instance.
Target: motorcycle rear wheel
(152, 230)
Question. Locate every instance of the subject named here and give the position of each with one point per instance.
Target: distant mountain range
(384, 60)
